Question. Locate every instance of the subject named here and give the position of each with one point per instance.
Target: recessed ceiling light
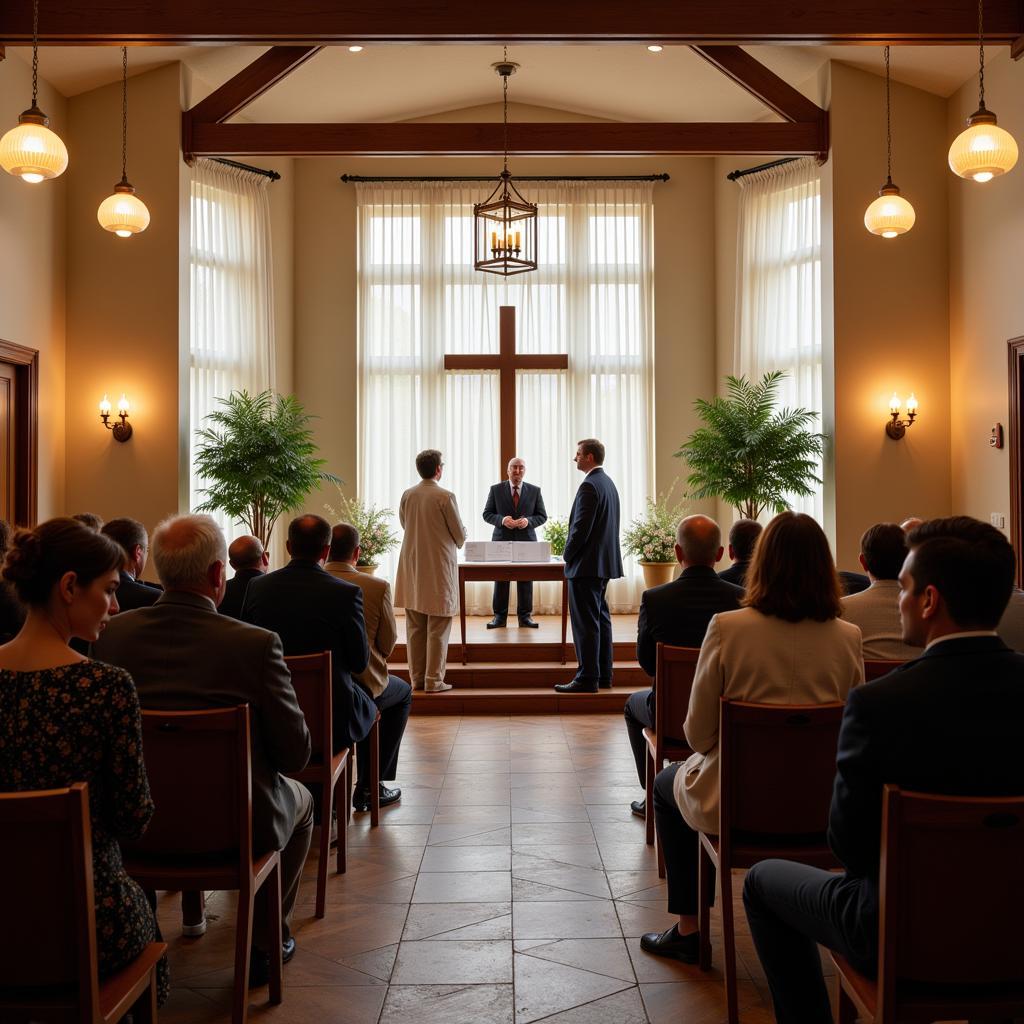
(655, 48)
(355, 49)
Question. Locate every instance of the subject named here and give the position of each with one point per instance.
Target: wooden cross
(506, 363)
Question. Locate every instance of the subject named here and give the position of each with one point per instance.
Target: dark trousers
(793, 907)
(679, 843)
(394, 705)
(524, 599)
(638, 718)
(591, 628)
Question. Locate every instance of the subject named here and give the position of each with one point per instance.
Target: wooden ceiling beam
(700, 22)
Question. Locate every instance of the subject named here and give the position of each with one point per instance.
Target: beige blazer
(427, 580)
(379, 616)
(763, 659)
(877, 612)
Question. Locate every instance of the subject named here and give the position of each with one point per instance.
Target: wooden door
(1016, 403)
(19, 433)
(8, 441)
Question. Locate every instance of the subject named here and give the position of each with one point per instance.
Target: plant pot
(370, 570)
(657, 573)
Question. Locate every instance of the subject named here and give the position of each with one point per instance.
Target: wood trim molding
(26, 471)
(1015, 378)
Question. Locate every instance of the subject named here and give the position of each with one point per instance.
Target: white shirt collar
(589, 471)
(961, 636)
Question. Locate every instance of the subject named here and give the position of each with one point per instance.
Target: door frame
(26, 461)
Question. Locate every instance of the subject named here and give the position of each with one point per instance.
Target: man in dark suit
(947, 722)
(677, 613)
(742, 539)
(592, 558)
(313, 611)
(249, 560)
(132, 592)
(515, 509)
(182, 655)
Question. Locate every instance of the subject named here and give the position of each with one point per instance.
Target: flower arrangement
(556, 532)
(373, 523)
(652, 537)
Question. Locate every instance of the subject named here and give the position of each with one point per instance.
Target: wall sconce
(896, 427)
(123, 430)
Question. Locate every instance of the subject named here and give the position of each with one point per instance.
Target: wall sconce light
(123, 430)
(896, 427)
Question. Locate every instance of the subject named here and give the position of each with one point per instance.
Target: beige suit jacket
(427, 580)
(759, 658)
(379, 616)
(877, 612)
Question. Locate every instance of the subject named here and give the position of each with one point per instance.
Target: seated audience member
(393, 696)
(131, 535)
(852, 582)
(742, 538)
(66, 575)
(787, 646)
(12, 611)
(313, 611)
(183, 656)
(247, 557)
(1011, 625)
(948, 722)
(911, 523)
(677, 613)
(90, 519)
(877, 610)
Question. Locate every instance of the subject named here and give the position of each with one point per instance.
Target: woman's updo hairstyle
(38, 558)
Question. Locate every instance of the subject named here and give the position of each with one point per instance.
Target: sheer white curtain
(778, 298)
(591, 297)
(231, 341)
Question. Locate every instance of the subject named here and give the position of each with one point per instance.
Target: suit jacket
(531, 508)
(948, 722)
(234, 593)
(427, 580)
(1011, 625)
(313, 611)
(735, 574)
(182, 655)
(132, 593)
(592, 543)
(877, 612)
(747, 655)
(379, 617)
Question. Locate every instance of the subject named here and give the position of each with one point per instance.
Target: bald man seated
(677, 613)
(247, 557)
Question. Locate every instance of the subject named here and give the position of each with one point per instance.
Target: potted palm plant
(651, 538)
(376, 537)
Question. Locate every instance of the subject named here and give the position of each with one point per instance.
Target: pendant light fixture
(505, 224)
(31, 151)
(124, 212)
(890, 214)
(983, 150)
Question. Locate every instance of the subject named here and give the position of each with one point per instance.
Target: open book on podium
(507, 551)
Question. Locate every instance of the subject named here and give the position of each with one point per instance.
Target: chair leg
(649, 799)
(847, 1008)
(144, 1009)
(342, 790)
(351, 779)
(243, 943)
(729, 945)
(326, 820)
(272, 893)
(705, 892)
(375, 774)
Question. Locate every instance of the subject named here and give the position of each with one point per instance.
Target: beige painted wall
(32, 272)
(986, 298)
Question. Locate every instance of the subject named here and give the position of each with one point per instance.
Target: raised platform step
(517, 651)
(519, 701)
(506, 676)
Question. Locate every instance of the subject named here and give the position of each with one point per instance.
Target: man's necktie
(515, 499)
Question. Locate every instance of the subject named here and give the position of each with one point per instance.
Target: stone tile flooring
(510, 885)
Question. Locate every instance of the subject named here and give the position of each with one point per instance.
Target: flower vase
(370, 570)
(657, 573)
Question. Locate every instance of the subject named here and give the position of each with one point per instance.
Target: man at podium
(515, 509)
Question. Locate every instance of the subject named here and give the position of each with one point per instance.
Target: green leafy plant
(556, 532)
(259, 460)
(750, 453)
(652, 536)
(373, 523)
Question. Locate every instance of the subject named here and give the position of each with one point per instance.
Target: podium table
(514, 572)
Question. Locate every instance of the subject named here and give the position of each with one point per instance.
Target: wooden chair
(950, 909)
(673, 681)
(777, 763)
(875, 669)
(200, 836)
(311, 677)
(48, 960)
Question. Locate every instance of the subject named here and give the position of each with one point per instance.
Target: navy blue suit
(234, 592)
(531, 508)
(592, 558)
(133, 593)
(313, 611)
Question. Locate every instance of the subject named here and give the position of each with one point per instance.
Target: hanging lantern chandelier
(505, 224)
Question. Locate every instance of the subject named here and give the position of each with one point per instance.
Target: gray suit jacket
(182, 655)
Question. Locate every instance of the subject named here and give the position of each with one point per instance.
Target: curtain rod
(272, 175)
(733, 175)
(347, 178)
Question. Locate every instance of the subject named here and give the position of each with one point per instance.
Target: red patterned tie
(515, 499)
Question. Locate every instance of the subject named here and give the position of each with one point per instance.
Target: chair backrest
(777, 763)
(46, 891)
(311, 678)
(951, 890)
(875, 669)
(673, 682)
(200, 776)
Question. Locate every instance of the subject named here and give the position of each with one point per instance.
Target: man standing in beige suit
(426, 585)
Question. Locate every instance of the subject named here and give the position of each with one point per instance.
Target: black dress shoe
(498, 622)
(576, 686)
(685, 948)
(604, 684)
(528, 623)
(259, 963)
(639, 808)
(361, 797)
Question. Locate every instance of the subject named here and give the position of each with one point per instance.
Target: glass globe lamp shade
(31, 151)
(124, 212)
(890, 214)
(983, 150)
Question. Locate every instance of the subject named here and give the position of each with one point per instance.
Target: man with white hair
(183, 656)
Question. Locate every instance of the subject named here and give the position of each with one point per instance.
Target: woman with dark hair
(788, 645)
(65, 719)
